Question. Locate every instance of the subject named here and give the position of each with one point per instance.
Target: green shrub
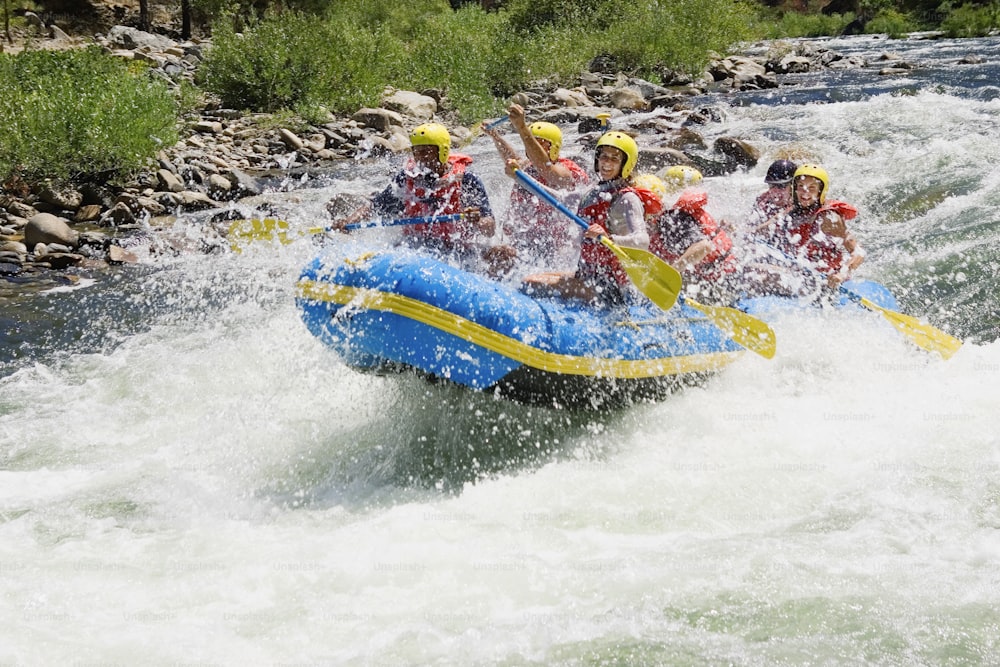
(585, 16)
(678, 35)
(794, 24)
(68, 113)
(453, 53)
(477, 59)
(293, 61)
(404, 20)
(555, 53)
(972, 20)
(892, 23)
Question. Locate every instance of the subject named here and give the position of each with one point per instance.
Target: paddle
(923, 335)
(242, 232)
(651, 275)
(750, 332)
(478, 129)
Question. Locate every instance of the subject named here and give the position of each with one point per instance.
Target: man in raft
(435, 182)
(535, 228)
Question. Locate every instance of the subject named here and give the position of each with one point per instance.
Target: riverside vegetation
(105, 133)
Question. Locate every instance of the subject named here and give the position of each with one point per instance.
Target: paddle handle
(539, 190)
(422, 220)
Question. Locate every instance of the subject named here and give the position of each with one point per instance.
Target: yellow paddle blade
(923, 335)
(750, 332)
(476, 130)
(651, 275)
(244, 232)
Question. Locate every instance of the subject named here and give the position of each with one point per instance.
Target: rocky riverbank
(225, 156)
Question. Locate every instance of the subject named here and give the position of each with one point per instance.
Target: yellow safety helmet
(625, 144)
(680, 176)
(432, 134)
(653, 183)
(817, 172)
(551, 134)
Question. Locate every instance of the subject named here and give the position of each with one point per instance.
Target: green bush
(68, 113)
(293, 61)
(678, 35)
(794, 24)
(404, 20)
(585, 16)
(342, 61)
(558, 54)
(972, 20)
(453, 54)
(892, 23)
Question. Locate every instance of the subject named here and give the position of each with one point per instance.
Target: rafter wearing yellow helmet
(533, 226)
(613, 218)
(629, 154)
(437, 184)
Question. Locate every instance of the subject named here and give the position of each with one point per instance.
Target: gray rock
(196, 200)
(118, 215)
(131, 38)
(244, 185)
(20, 209)
(46, 228)
(571, 98)
(219, 186)
(208, 127)
(736, 152)
(628, 98)
(290, 139)
(169, 181)
(63, 260)
(58, 34)
(378, 119)
(15, 247)
(409, 103)
(87, 213)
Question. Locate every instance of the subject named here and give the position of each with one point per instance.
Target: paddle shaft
(496, 123)
(422, 220)
(539, 190)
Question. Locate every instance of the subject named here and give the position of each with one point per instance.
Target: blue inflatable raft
(400, 310)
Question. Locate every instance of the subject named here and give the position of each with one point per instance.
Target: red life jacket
(805, 238)
(652, 205)
(443, 197)
(595, 257)
(539, 222)
(719, 260)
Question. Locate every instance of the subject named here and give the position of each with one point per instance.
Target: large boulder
(409, 103)
(47, 228)
(130, 38)
(378, 119)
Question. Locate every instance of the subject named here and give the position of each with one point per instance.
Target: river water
(188, 477)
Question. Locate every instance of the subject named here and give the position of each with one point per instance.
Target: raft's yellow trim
(510, 347)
